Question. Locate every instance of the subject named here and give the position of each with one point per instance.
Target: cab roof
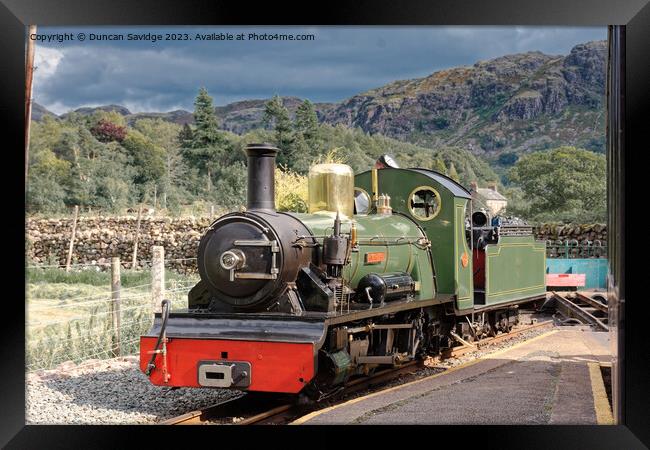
(455, 188)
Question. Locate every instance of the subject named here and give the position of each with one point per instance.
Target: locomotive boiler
(378, 272)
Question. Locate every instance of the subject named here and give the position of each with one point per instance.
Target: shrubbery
(564, 184)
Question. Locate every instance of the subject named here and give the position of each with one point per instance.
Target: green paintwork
(514, 268)
(464, 276)
(393, 235)
(446, 230)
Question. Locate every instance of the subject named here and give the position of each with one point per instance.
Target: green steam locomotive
(388, 266)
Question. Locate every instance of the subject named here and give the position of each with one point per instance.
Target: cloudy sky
(338, 63)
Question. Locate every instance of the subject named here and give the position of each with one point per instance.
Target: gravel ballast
(112, 391)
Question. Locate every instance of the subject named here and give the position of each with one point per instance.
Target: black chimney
(261, 176)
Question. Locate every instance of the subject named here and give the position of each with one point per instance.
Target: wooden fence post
(116, 286)
(134, 263)
(157, 277)
(74, 230)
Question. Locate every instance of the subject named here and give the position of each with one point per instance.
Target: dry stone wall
(582, 233)
(98, 239)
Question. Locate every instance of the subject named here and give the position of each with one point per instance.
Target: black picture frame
(631, 135)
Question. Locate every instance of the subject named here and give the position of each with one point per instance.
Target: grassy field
(68, 315)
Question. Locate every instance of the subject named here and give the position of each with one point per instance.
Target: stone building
(489, 198)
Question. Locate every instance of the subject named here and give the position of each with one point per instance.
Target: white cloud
(46, 61)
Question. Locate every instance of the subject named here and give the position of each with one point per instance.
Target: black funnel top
(261, 176)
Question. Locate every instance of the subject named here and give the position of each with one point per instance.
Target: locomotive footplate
(242, 326)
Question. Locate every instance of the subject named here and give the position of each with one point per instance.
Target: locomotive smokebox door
(239, 260)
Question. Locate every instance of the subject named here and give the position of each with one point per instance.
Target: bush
(106, 131)
(565, 183)
(290, 191)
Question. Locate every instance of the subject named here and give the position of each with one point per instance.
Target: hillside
(515, 103)
(240, 117)
(39, 111)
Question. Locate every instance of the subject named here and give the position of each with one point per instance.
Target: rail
(474, 346)
(578, 306)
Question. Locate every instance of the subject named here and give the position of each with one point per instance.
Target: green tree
(185, 136)
(44, 195)
(231, 185)
(78, 147)
(166, 135)
(111, 116)
(302, 154)
(206, 127)
(47, 174)
(148, 158)
(565, 183)
(277, 116)
(508, 159)
(306, 122)
(112, 188)
(208, 145)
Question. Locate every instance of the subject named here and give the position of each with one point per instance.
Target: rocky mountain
(240, 117)
(90, 110)
(179, 116)
(514, 103)
(521, 102)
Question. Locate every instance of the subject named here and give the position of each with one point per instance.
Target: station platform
(554, 378)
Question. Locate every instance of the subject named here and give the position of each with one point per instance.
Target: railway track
(580, 307)
(463, 349)
(258, 409)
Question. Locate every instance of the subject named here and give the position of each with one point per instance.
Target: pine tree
(208, 145)
(205, 122)
(185, 136)
(306, 121)
(453, 174)
(277, 115)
